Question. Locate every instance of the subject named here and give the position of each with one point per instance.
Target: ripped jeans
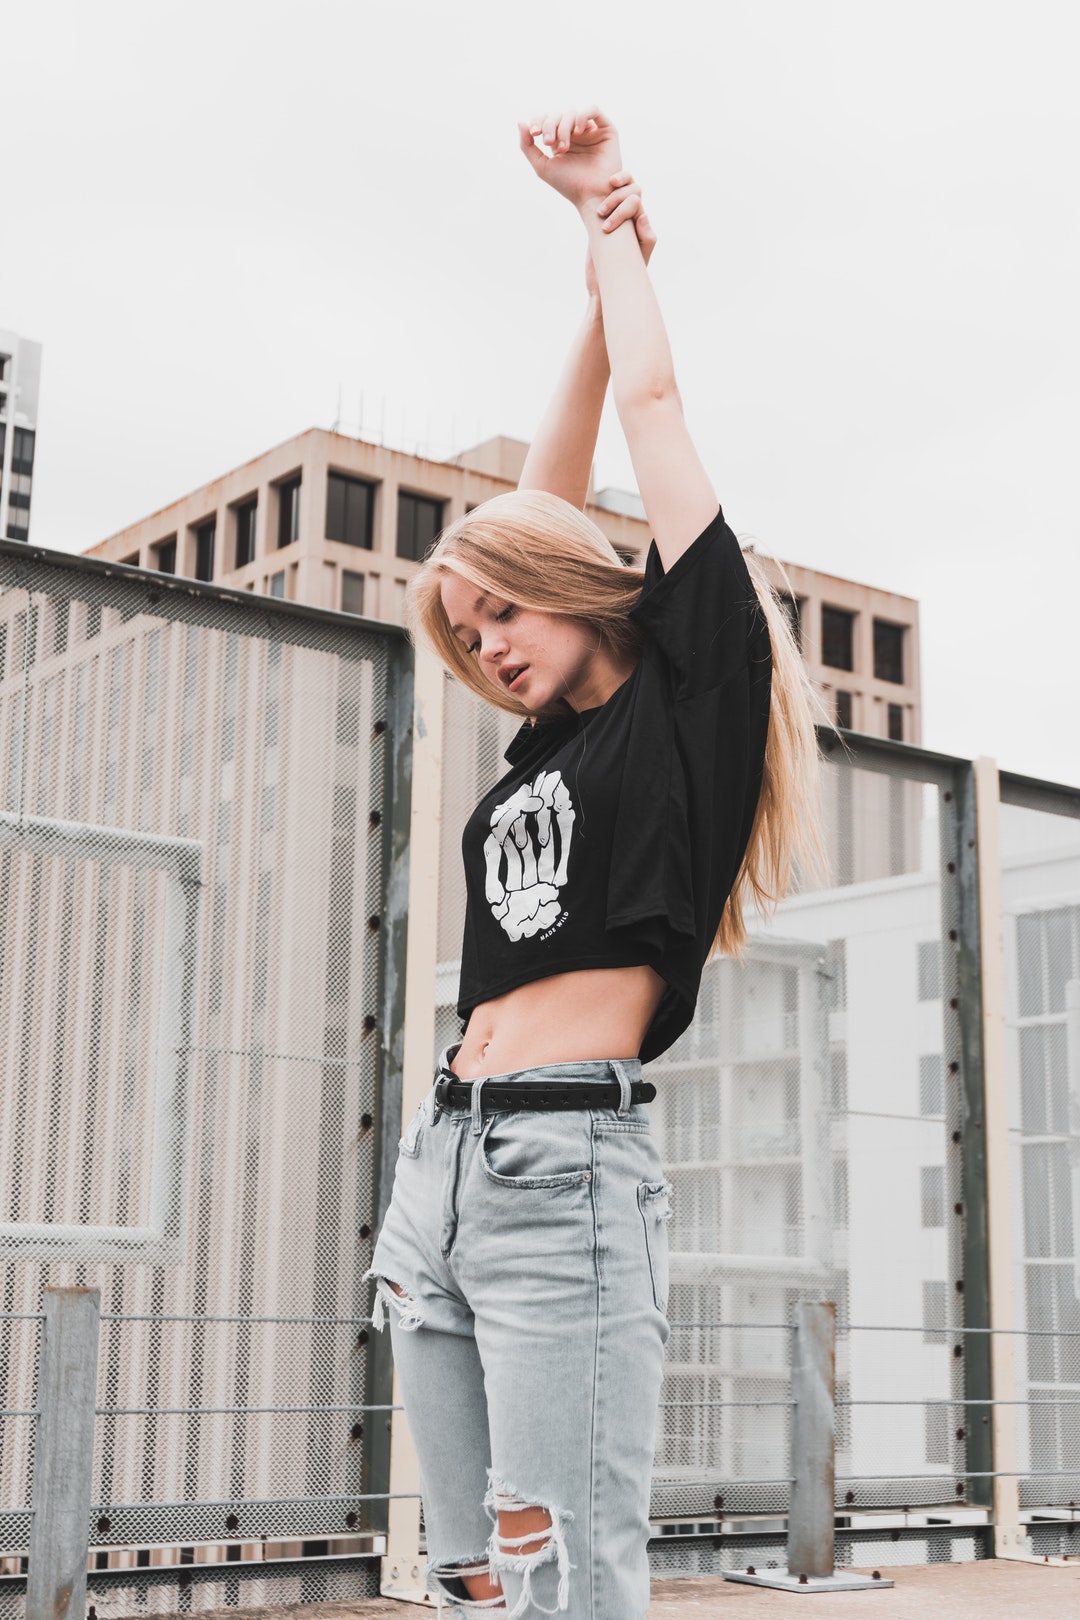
(531, 1249)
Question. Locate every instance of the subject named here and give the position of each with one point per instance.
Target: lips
(510, 675)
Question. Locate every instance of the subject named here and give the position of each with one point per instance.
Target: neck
(605, 677)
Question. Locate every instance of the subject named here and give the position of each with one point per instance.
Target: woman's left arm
(560, 456)
(676, 490)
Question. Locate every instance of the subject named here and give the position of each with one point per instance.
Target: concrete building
(20, 381)
(340, 523)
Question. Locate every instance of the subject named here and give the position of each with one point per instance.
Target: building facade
(20, 382)
(341, 523)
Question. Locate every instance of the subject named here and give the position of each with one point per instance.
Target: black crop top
(616, 835)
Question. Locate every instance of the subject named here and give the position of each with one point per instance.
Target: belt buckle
(442, 1085)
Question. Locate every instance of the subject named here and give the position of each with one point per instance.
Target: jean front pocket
(531, 1149)
(654, 1202)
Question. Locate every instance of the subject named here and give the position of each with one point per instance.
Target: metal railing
(64, 1524)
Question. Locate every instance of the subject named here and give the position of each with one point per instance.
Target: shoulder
(703, 614)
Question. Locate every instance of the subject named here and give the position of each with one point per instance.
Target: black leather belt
(454, 1093)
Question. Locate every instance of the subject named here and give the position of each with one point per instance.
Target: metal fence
(215, 814)
(200, 1020)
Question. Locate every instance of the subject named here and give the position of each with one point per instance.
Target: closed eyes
(503, 617)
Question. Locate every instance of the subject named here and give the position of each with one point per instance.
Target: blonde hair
(538, 551)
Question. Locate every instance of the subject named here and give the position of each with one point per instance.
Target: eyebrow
(480, 600)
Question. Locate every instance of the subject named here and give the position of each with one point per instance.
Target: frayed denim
(531, 1252)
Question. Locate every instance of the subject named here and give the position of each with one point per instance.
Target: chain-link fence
(198, 792)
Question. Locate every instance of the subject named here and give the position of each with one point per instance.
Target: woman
(663, 777)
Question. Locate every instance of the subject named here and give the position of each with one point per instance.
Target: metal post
(403, 1567)
(64, 1455)
(811, 1531)
(811, 1544)
(962, 856)
(1010, 1537)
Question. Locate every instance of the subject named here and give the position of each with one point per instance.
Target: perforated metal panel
(1041, 901)
(146, 714)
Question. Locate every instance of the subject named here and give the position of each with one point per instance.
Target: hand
(584, 151)
(526, 854)
(622, 203)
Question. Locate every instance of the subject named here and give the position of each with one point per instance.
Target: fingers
(559, 131)
(537, 159)
(622, 203)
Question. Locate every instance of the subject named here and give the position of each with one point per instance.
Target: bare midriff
(593, 1014)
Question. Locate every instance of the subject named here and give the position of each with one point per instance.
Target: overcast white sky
(215, 216)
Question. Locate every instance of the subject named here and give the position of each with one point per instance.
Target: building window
(419, 520)
(288, 512)
(888, 651)
(932, 1194)
(22, 457)
(164, 555)
(352, 592)
(793, 606)
(929, 969)
(245, 532)
(204, 550)
(132, 561)
(931, 1083)
(277, 584)
(837, 638)
(843, 711)
(896, 722)
(350, 510)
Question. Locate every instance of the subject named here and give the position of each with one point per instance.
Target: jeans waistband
(588, 1071)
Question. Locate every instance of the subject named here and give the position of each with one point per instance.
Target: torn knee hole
(528, 1536)
(469, 1585)
(519, 1522)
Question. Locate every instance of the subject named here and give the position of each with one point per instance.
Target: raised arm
(561, 454)
(676, 491)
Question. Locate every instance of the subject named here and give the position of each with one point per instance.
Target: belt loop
(624, 1089)
(474, 1103)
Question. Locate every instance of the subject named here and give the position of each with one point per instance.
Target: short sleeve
(703, 614)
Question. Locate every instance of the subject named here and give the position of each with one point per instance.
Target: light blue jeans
(532, 1249)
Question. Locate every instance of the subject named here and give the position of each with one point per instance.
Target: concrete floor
(985, 1590)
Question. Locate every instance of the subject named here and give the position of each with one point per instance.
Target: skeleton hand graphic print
(526, 854)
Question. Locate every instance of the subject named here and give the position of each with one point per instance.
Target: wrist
(589, 209)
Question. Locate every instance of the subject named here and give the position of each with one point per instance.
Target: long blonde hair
(533, 549)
